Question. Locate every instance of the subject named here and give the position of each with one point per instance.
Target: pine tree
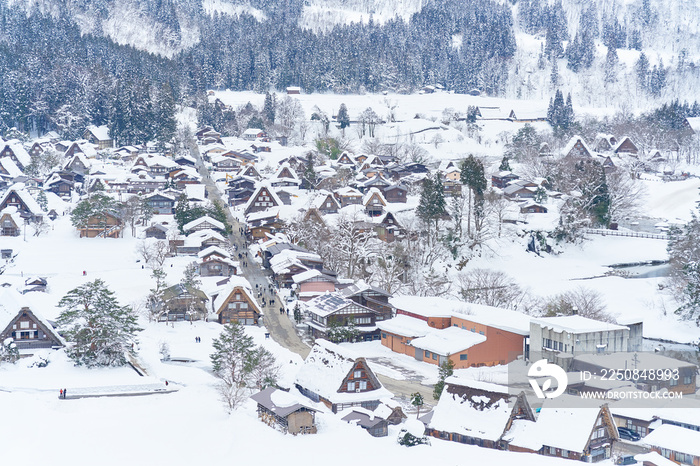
(269, 107)
(239, 364)
(554, 76)
(309, 181)
(298, 317)
(101, 331)
(417, 401)
(641, 68)
(684, 261)
(343, 117)
(611, 64)
(472, 175)
(505, 165)
(445, 371)
(432, 205)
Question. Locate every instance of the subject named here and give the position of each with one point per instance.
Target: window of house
(666, 453)
(427, 354)
(357, 375)
(565, 453)
(362, 385)
(24, 324)
(435, 356)
(673, 382)
(351, 386)
(687, 380)
(462, 357)
(383, 335)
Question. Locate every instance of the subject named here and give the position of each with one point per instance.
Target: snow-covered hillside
(322, 15)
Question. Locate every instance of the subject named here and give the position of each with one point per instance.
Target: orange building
(471, 335)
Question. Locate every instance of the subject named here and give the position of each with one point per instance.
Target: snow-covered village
(259, 248)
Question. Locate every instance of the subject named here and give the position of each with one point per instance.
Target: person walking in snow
(60, 393)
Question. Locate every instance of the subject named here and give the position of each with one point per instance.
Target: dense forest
(61, 73)
(55, 78)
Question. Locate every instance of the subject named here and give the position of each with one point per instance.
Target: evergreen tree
(269, 107)
(432, 205)
(101, 331)
(540, 195)
(611, 64)
(417, 401)
(641, 68)
(554, 76)
(298, 316)
(472, 175)
(505, 165)
(240, 365)
(560, 114)
(445, 371)
(164, 115)
(343, 117)
(309, 177)
(684, 261)
(95, 207)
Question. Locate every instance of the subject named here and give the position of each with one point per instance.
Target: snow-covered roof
(448, 341)
(195, 191)
(20, 152)
(470, 413)
(25, 197)
(620, 360)
(265, 185)
(405, 326)
(324, 370)
(675, 438)
(477, 384)
(307, 275)
(234, 281)
(576, 324)
(278, 173)
(279, 402)
(563, 423)
(100, 132)
(205, 219)
(504, 319)
(572, 142)
(10, 167)
(153, 160)
(694, 123)
(348, 191)
(213, 250)
(376, 193)
(327, 304)
(11, 302)
(270, 213)
(252, 132)
(654, 458)
(361, 417)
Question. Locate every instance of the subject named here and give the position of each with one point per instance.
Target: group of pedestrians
(62, 393)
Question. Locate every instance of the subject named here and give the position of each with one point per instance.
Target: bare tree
(154, 252)
(495, 209)
(489, 287)
(625, 194)
(388, 267)
(288, 112)
(580, 301)
(349, 245)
